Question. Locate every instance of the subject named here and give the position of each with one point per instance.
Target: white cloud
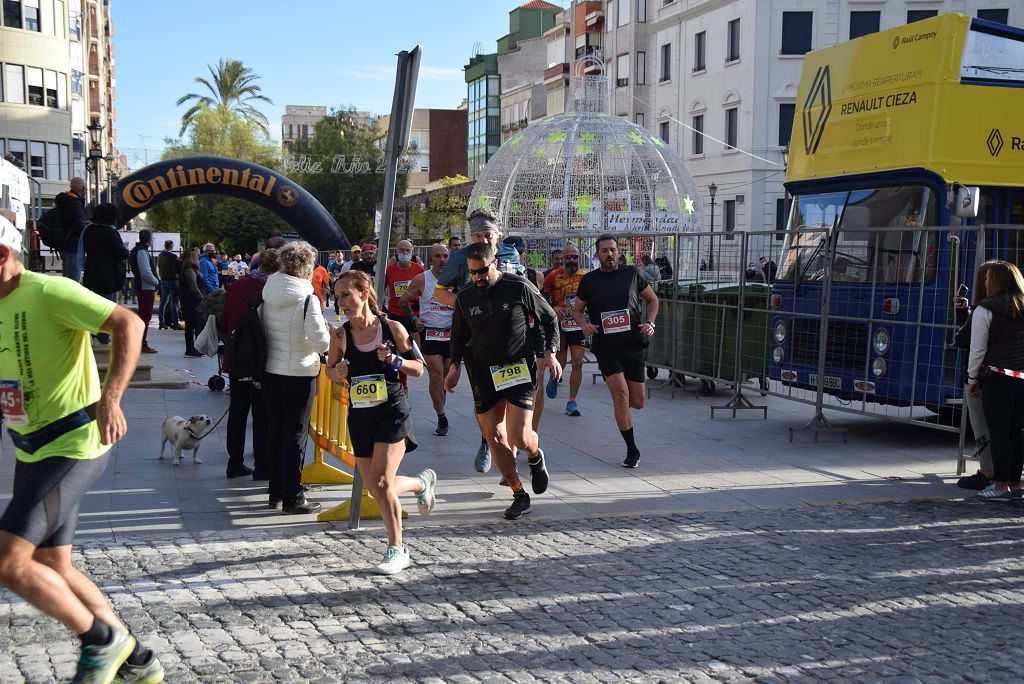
(386, 72)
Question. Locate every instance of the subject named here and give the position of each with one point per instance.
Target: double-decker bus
(903, 140)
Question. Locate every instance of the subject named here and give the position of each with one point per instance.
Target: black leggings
(289, 401)
(1003, 400)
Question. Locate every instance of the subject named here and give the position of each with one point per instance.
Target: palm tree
(234, 88)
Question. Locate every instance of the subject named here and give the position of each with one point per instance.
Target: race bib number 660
(615, 321)
(368, 390)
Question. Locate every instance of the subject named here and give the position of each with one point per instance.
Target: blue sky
(308, 52)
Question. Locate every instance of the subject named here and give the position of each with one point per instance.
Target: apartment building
(57, 80)
(718, 82)
(439, 138)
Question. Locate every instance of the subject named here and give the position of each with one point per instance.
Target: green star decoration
(584, 149)
(584, 205)
(661, 203)
(514, 208)
(483, 202)
(658, 141)
(618, 147)
(515, 140)
(541, 202)
(588, 137)
(540, 153)
(686, 204)
(636, 138)
(556, 136)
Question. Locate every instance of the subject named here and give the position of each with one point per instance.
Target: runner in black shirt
(493, 313)
(611, 297)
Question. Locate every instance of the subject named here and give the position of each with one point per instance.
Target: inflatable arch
(211, 175)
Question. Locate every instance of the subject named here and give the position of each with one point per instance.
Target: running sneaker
(483, 458)
(1016, 494)
(551, 389)
(150, 672)
(990, 493)
(632, 459)
(395, 561)
(572, 409)
(520, 506)
(442, 426)
(538, 473)
(977, 481)
(99, 663)
(425, 499)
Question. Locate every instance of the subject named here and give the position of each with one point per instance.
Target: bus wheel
(707, 388)
(652, 372)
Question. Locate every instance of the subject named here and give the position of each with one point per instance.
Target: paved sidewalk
(690, 463)
(913, 592)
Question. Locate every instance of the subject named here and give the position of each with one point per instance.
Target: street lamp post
(712, 189)
(109, 159)
(95, 154)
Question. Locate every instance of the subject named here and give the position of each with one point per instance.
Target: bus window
(863, 253)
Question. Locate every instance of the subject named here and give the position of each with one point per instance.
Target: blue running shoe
(571, 409)
(483, 458)
(552, 388)
(99, 663)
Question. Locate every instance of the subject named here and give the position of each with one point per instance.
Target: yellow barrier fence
(328, 426)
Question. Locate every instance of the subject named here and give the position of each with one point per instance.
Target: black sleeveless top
(367, 363)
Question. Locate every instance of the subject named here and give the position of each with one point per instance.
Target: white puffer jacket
(293, 345)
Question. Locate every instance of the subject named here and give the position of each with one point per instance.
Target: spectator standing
(191, 290)
(664, 267)
(168, 266)
(975, 410)
(769, 269)
(146, 283)
(296, 337)
(208, 267)
(995, 371)
(246, 395)
(652, 274)
(72, 217)
(320, 280)
(105, 257)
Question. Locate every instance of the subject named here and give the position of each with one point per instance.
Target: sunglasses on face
(571, 257)
(479, 271)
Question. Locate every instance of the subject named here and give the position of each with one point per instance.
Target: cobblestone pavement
(895, 592)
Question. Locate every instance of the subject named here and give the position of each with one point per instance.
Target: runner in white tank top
(434, 324)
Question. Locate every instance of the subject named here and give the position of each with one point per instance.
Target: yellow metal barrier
(328, 426)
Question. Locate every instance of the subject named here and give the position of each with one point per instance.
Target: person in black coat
(72, 217)
(105, 256)
(191, 290)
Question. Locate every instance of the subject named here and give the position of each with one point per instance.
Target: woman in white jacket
(296, 337)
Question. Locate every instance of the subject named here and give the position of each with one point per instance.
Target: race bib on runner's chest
(438, 335)
(368, 390)
(401, 286)
(510, 375)
(615, 321)
(569, 324)
(12, 402)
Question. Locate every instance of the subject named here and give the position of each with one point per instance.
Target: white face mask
(405, 258)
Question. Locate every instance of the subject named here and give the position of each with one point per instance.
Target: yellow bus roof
(893, 100)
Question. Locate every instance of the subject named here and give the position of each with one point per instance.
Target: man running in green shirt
(62, 425)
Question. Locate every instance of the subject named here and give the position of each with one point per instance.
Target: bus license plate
(831, 381)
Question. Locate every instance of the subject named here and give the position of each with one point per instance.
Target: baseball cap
(10, 236)
(369, 247)
(357, 248)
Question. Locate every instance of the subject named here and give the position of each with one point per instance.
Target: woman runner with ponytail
(370, 351)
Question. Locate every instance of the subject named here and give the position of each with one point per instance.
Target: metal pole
(398, 137)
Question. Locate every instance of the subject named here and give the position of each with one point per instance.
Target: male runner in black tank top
(611, 296)
(493, 313)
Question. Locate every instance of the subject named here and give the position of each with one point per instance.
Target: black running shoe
(977, 481)
(538, 473)
(520, 506)
(631, 460)
(442, 426)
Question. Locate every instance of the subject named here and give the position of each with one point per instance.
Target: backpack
(51, 229)
(247, 345)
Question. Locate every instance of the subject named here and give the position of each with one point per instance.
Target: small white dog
(184, 435)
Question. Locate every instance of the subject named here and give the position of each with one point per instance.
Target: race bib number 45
(12, 402)
(615, 321)
(510, 375)
(368, 390)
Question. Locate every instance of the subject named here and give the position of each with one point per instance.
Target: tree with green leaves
(445, 211)
(233, 87)
(342, 165)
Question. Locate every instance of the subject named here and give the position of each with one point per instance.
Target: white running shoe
(395, 561)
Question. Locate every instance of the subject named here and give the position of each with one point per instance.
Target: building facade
(438, 137)
(57, 77)
(298, 123)
(717, 80)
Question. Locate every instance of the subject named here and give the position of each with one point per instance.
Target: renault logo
(817, 108)
(995, 142)
(895, 42)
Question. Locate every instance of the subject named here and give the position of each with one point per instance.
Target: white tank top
(434, 314)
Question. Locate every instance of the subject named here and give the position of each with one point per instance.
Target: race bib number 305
(12, 402)
(510, 375)
(368, 390)
(615, 321)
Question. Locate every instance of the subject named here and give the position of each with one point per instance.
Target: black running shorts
(628, 360)
(485, 397)
(406, 322)
(575, 338)
(47, 495)
(436, 347)
(388, 423)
